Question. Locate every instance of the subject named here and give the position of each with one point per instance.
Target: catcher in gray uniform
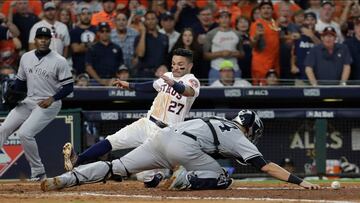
(46, 78)
(191, 144)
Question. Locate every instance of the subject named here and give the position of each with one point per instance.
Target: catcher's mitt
(11, 97)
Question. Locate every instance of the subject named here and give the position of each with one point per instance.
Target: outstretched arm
(142, 87)
(180, 88)
(280, 173)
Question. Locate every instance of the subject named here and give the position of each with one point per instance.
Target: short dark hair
(185, 53)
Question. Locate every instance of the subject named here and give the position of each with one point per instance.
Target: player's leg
(13, 120)
(199, 171)
(142, 158)
(38, 120)
(131, 136)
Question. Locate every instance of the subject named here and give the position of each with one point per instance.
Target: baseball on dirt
(335, 185)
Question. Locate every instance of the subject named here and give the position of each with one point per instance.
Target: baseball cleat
(155, 180)
(38, 177)
(179, 180)
(70, 157)
(51, 184)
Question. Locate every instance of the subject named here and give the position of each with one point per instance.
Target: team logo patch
(194, 83)
(115, 51)
(10, 153)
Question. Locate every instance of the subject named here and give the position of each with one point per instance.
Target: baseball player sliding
(46, 77)
(177, 91)
(191, 144)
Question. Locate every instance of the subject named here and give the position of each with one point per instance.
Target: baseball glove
(11, 97)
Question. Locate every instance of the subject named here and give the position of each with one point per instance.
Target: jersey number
(174, 105)
(226, 127)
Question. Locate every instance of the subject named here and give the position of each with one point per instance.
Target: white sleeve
(21, 72)
(67, 37)
(64, 72)
(194, 83)
(157, 85)
(32, 34)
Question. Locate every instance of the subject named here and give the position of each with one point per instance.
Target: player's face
(42, 43)
(180, 66)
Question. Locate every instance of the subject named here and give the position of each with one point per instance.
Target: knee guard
(110, 175)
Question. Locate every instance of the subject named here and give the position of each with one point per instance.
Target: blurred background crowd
(235, 42)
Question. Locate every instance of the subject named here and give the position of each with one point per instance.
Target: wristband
(294, 179)
(179, 87)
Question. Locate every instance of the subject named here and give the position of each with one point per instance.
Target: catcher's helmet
(252, 123)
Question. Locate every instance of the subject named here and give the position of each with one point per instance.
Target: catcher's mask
(252, 123)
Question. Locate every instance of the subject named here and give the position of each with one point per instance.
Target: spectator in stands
(124, 37)
(151, 47)
(103, 58)
(185, 13)
(265, 39)
(82, 80)
(243, 26)
(24, 19)
(106, 15)
(232, 7)
(33, 6)
(60, 40)
(123, 73)
(159, 7)
(7, 28)
(326, 19)
(353, 44)
(7, 72)
(329, 62)
(297, 21)
(255, 14)
(136, 12)
(246, 7)
(227, 76)
(94, 5)
(204, 24)
(187, 41)
(64, 16)
(314, 6)
(223, 43)
(308, 39)
(167, 22)
(290, 7)
(82, 37)
(271, 78)
(351, 12)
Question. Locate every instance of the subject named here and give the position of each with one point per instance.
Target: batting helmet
(252, 123)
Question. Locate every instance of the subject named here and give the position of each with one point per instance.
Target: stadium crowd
(234, 42)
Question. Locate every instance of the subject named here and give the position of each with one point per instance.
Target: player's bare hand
(46, 103)
(120, 84)
(310, 186)
(168, 80)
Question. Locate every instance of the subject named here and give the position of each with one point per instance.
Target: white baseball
(335, 185)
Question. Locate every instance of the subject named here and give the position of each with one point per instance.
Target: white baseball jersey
(44, 77)
(60, 35)
(233, 142)
(169, 106)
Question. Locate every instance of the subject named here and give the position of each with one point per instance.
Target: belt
(190, 135)
(160, 124)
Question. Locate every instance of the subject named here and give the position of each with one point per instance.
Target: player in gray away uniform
(190, 144)
(46, 77)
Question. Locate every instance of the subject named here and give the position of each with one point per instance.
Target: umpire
(46, 77)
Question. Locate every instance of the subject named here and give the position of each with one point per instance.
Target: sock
(94, 151)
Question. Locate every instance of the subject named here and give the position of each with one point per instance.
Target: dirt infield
(131, 191)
